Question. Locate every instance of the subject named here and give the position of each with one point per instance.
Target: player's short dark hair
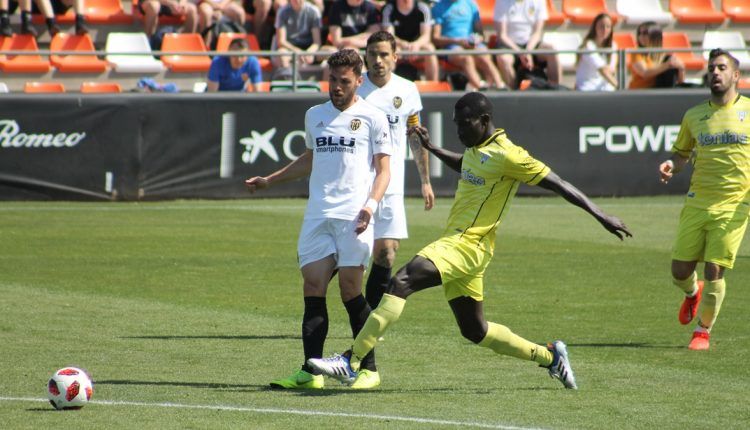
(477, 103)
(346, 58)
(718, 52)
(382, 36)
(239, 42)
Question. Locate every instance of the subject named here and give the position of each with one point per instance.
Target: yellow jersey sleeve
(685, 142)
(523, 167)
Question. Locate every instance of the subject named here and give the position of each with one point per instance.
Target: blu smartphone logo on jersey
(620, 139)
(333, 141)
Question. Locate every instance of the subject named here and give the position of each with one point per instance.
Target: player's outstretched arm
(451, 159)
(298, 168)
(422, 159)
(668, 168)
(575, 196)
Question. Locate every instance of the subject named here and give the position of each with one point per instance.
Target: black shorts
(58, 7)
(517, 62)
(164, 11)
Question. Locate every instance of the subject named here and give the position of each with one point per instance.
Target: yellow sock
(713, 295)
(387, 313)
(503, 341)
(689, 285)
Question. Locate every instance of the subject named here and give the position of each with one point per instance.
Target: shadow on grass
(215, 337)
(49, 409)
(338, 391)
(326, 392)
(624, 345)
(226, 337)
(210, 385)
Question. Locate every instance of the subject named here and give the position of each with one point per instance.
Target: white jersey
(343, 146)
(399, 99)
(520, 17)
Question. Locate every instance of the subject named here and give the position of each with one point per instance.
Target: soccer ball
(69, 388)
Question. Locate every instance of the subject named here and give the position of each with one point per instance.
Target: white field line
(304, 412)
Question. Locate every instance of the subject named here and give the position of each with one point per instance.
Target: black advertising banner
(165, 146)
(206, 146)
(67, 148)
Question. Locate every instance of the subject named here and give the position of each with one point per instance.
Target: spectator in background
(459, 27)
(152, 9)
(519, 25)
(8, 7)
(234, 73)
(262, 11)
(298, 27)
(654, 69)
(351, 22)
(597, 71)
(60, 7)
(410, 21)
(210, 11)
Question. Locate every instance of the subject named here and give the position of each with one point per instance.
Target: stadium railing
(621, 53)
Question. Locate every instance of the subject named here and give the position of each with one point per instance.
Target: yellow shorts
(461, 266)
(711, 236)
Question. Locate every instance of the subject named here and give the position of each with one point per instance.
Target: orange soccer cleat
(699, 342)
(690, 306)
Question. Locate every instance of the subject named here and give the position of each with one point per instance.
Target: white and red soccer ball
(69, 388)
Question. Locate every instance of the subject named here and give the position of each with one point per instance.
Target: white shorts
(320, 238)
(390, 218)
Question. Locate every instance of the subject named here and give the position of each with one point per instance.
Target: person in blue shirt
(236, 72)
(457, 25)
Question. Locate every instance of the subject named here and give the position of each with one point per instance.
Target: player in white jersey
(348, 149)
(400, 100)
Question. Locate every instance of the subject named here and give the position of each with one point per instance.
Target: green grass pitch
(184, 311)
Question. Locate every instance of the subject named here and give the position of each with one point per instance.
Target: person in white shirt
(519, 25)
(348, 160)
(401, 102)
(597, 71)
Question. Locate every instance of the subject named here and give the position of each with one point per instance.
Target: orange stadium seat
(223, 44)
(185, 42)
(555, 16)
(33, 63)
(625, 40)
(737, 10)
(43, 87)
(433, 86)
(486, 11)
(583, 12)
(696, 12)
(744, 84)
(75, 63)
(100, 87)
(680, 40)
(263, 86)
(324, 86)
(96, 12)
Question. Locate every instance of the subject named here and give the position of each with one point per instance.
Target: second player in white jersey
(399, 99)
(343, 144)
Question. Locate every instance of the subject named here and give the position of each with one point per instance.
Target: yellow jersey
(490, 175)
(720, 138)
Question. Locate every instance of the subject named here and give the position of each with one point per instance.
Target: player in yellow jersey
(716, 134)
(491, 169)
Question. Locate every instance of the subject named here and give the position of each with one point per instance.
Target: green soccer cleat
(299, 380)
(366, 379)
